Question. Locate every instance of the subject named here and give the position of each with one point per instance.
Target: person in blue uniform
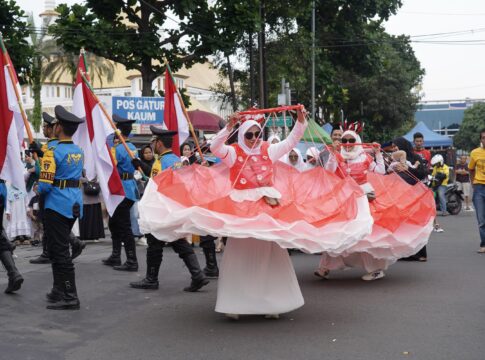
(15, 280)
(119, 224)
(59, 181)
(48, 130)
(162, 145)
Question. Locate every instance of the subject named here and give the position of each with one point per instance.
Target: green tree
(468, 137)
(15, 32)
(140, 34)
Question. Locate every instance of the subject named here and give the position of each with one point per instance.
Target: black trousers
(58, 229)
(120, 226)
(155, 248)
(207, 242)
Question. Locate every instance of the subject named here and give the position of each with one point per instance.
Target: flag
(173, 117)
(92, 136)
(11, 124)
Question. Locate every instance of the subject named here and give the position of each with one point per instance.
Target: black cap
(47, 118)
(122, 121)
(66, 117)
(159, 132)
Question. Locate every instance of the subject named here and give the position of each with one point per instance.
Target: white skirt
(19, 224)
(257, 277)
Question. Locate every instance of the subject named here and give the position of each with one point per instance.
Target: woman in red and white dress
(263, 206)
(403, 214)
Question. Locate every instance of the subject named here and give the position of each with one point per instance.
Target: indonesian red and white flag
(173, 117)
(11, 125)
(92, 136)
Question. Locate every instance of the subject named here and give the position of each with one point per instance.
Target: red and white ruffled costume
(403, 214)
(318, 212)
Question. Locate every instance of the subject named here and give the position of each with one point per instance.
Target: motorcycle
(454, 199)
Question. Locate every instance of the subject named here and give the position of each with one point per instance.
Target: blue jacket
(124, 166)
(3, 193)
(68, 160)
(170, 160)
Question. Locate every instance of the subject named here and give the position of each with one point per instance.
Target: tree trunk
(36, 90)
(147, 74)
(265, 64)
(261, 55)
(231, 84)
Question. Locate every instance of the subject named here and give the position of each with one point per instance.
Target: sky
(453, 62)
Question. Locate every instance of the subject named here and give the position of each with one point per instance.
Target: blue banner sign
(145, 110)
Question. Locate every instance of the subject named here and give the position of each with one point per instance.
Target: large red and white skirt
(318, 211)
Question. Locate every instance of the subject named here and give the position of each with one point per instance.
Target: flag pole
(19, 100)
(103, 109)
(191, 128)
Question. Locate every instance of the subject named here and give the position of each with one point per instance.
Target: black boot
(131, 263)
(15, 280)
(55, 294)
(77, 246)
(211, 269)
(69, 299)
(198, 278)
(44, 257)
(154, 260)
(115, 258)
(150, 282)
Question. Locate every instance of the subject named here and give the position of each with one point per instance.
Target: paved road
(433, 310)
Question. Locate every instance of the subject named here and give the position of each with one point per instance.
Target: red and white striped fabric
(91, 137)
(11, 126)
(174, 117)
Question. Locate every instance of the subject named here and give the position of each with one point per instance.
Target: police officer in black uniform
(61, 170)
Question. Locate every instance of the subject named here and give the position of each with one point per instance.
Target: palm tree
(62, 62)
(42, 47)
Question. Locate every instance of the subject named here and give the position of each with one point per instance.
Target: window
(139, 84)
(58, 91)
(159, 84)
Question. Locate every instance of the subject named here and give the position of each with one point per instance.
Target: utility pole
(313, 59)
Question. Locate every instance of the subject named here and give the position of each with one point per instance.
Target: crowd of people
(265, 197)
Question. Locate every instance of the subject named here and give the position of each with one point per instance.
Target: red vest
(357, 170)
(252, 171)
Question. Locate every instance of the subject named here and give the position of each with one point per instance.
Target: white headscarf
(300, 164)
(272, 138)
(240, 137)
(356, 151)
(314, 153)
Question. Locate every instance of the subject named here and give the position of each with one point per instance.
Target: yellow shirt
(445, 170)
(477, 163)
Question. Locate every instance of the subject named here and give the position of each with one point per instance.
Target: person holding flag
(12, 123)
(119, 223)
(77, 246)
(162, 143)
(61, 170)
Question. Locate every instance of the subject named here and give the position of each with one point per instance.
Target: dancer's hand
(233, 119)
(302, 115)
(376, 148)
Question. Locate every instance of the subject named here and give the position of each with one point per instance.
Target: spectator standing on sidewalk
(477, 173)
(463, 180)
(441, 176)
